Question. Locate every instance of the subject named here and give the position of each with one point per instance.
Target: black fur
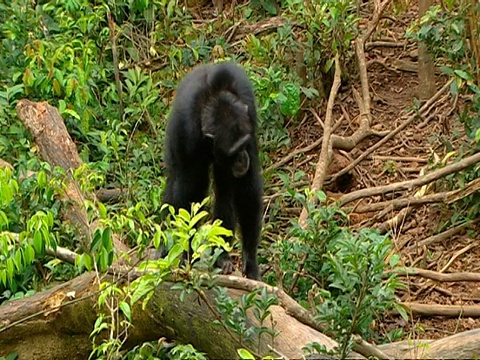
(213, 121)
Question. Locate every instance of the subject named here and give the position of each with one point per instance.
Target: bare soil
(393, 91)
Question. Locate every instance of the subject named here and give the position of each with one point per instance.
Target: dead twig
(438, 276)
(373, 44)
(410, 184)
(326, 152)
(372, 25)
(456, 255)
(399, 158)
(444, 235)
(368, 350)
(447, 197)
(443, 310)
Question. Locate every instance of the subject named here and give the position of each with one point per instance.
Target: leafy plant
(234, 315)
(358, 291)
(338, 273)
(18, 251)
(330, 26)
(115, 318)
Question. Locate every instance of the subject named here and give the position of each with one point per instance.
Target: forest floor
(393, 89)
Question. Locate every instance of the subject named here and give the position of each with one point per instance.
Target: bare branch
(410, 184)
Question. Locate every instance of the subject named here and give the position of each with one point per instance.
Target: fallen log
(56, 324)
(464, 345)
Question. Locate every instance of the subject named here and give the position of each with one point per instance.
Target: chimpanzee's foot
(224, 262)
(251, 270)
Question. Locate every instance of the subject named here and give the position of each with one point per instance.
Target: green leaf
(462, 74)
(96, 241)
(19, 260)
(103, 260)
(13, 91)
(85, 260)
(126, 310)
(394, 260)
(72, 113)
(174, 253)
(157, 237)
(29, 254)
(10, 268)
(245, 354)
(107, 238)
(401, 310)
(102, 210)
(269, 6)
(38, 242)
(42, 179)
(3, 276)
(140, 291)
(184, 214)
(198, 217)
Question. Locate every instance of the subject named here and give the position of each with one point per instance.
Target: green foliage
(115, 319)
(19, 250)
(183, 234)
(247, 355)
(305, 254)
(157, 351)
(146, 351)
(338, 273)
(330, 26)
(358, 291)
(268, 6)
(11, 356)
(279, 98)
(183, 231)
(445, 33)
(234, 315)
(187, 352)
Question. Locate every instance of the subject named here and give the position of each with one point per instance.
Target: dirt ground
(402, 158)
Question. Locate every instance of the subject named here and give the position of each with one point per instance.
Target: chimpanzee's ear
(241, 164)
(238, 144)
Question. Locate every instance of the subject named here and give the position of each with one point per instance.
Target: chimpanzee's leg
(224, 210)
(248, 193)
(186, 185)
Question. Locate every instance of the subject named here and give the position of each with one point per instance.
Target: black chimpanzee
(213, 121)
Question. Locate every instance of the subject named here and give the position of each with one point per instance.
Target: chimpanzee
(213, 122)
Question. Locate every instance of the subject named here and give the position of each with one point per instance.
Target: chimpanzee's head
(226, 121)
